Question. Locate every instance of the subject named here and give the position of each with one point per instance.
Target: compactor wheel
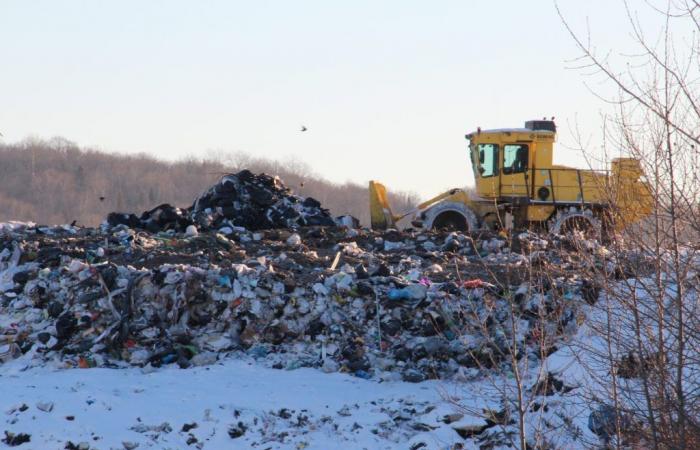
(575, 220)
(451, 216)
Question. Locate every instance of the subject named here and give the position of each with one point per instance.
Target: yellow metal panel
(631, 196)
(538, 213)
(381, 216)
(541, 153)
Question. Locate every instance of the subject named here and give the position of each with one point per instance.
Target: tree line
(56, 181)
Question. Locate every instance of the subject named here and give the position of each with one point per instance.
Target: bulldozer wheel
(576, 220)
(451, 215)
(450, 221)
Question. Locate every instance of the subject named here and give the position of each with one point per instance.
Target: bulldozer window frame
(517, 164)
(488, 168)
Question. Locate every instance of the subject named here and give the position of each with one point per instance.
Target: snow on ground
(234, 404)
(239, 404)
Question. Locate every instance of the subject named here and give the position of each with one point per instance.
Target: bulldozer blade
(380, 211)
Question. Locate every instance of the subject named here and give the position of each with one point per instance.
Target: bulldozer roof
(513, 131)
(539, 126)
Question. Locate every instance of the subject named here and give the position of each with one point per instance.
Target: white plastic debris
(191, 231)
(294, 239)
(389, 246)
(45, 406)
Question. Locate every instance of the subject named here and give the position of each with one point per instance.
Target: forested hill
(55, 181)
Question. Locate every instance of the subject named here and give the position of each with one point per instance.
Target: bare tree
(647, 318)
(55, 181)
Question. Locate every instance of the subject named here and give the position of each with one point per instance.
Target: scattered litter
(13, 440)
(45, 406)
(250, 271)
(284, 298)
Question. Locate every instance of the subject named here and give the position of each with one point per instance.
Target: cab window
(488, 160)
(515, 158)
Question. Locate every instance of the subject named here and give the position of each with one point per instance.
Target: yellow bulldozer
(519, 187)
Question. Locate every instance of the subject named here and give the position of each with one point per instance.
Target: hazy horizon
(387, 90)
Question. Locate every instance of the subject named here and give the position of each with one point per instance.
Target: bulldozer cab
(503, 159)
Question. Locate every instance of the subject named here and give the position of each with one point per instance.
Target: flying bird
(303, 128)
(102, 199)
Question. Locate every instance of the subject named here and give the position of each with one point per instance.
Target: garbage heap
(244, 199)
(390, 305)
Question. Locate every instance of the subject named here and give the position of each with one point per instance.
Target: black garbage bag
(243, 199)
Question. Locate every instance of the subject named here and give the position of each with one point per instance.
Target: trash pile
(254, 273)
(387, 305)
(247, 200)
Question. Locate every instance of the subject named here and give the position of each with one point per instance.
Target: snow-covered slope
(304, 408)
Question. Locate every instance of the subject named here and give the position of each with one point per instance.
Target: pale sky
(387, 89)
